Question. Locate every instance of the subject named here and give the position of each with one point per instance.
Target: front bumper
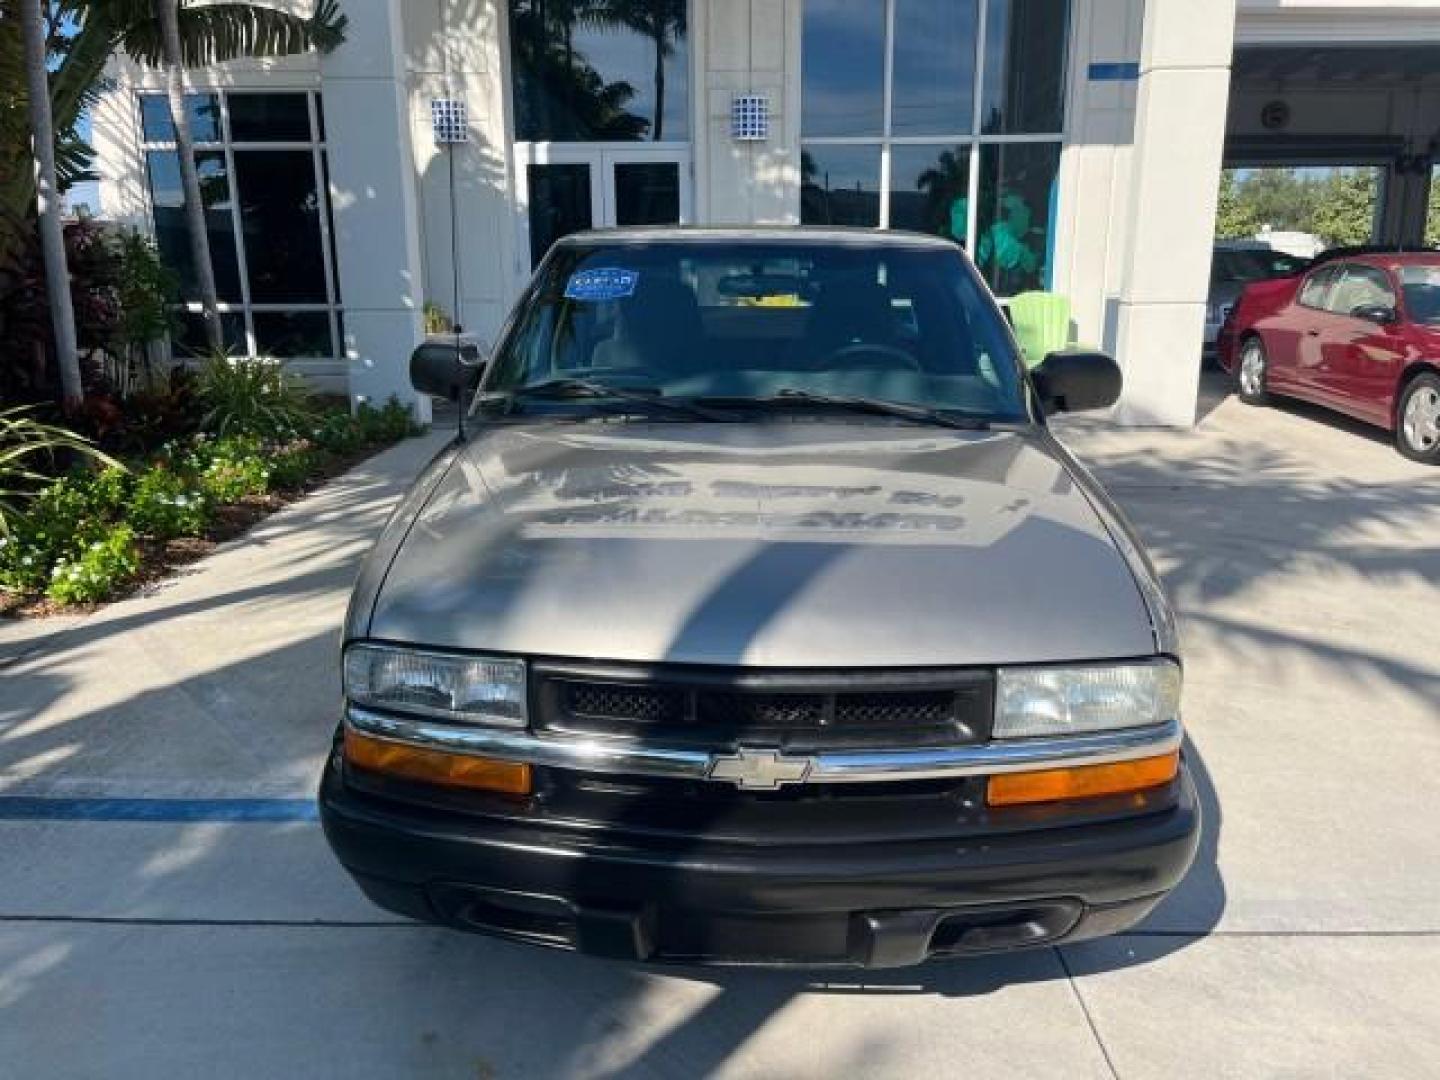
(605, 892)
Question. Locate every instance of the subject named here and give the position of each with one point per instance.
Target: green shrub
(229, 480)
(252, 397)
(24, 444)
(292, 464)
(110, 490)
(24, 563)
(230, 469)
(390, 423)
(337, 433)
(59, 521)
(97, 571)
(165, 505)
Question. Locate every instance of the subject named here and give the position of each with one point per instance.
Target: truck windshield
(734, 320)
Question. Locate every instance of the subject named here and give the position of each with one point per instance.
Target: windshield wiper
(919, 414)
(561, 389)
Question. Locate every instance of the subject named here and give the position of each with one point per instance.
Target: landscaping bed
(104, 529)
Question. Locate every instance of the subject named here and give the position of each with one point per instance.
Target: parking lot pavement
(223, 941)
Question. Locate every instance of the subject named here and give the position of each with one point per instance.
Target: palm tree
(75, 60)
(664, 22)
(52, 235)
(168, 12)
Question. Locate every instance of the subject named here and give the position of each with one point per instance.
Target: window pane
(293, 333)
(840, 185)
(190, 334)
(930, 189)
(595, 78)
(1317, 286)
(280, 219)
(559, 204)
(203, 109)
(171, 233)
(1017, 193)
(843, 67)
(1360, 286)
(1025, 65)
(934, 73)
(647, 194)
(269, 118)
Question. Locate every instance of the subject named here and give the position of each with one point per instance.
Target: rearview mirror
(447, 369)
(1380, 314)
(1073, 380)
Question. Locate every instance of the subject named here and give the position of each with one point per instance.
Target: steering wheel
(854, 356)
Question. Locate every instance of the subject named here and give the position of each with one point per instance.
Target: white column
(1179, 147)
(749, 47)
(372, 192)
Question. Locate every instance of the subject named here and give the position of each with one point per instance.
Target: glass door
(571, 187)
(646, 187)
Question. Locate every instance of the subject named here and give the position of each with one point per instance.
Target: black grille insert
(802, 710)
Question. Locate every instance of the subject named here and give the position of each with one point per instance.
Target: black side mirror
(447, 370)
(1073, 380)
(1380, 314)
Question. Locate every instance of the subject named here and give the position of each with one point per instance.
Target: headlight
(467, 689)
(1084, 699)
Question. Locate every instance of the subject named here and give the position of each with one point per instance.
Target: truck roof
(725, 234)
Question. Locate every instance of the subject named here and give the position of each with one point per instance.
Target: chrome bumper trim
(825, 767)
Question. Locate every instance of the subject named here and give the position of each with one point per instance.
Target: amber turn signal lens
(435, 766)
(1083, 781)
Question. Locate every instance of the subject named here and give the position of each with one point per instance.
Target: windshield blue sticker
(602, 283)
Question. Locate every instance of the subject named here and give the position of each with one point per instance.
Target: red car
(1359, 333)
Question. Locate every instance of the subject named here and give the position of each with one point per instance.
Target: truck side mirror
(1074, 380)
(449, 370)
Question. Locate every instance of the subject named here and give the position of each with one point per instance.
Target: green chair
(1042, 324)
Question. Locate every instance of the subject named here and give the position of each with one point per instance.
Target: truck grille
(800, 711)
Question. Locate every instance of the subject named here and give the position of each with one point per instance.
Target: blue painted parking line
(42, 808)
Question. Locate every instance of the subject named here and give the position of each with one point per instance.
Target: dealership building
(1072, 146)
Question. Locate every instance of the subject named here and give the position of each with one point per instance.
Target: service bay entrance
(568, 187)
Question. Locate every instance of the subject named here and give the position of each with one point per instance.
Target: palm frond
(23, 438)
(215, 33)
(74, 161)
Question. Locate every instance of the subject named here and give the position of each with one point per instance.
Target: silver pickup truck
(756, 617)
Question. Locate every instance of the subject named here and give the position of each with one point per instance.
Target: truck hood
(780, 544)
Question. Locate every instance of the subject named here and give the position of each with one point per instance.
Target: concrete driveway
(216, 936)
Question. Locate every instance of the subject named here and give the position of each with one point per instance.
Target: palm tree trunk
(168, 12)
(47, 202)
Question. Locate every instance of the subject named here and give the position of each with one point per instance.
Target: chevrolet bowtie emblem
(759, 770)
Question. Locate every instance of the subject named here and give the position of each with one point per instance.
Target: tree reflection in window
(600, 70)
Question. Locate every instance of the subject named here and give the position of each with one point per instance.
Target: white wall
(1180, 110)
(1094, 206)
(454, 49)
(747, 47)
(374, 203)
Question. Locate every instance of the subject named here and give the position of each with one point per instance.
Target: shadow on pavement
(1220, 525)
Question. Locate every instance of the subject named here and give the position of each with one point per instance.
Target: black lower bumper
(872, 905)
